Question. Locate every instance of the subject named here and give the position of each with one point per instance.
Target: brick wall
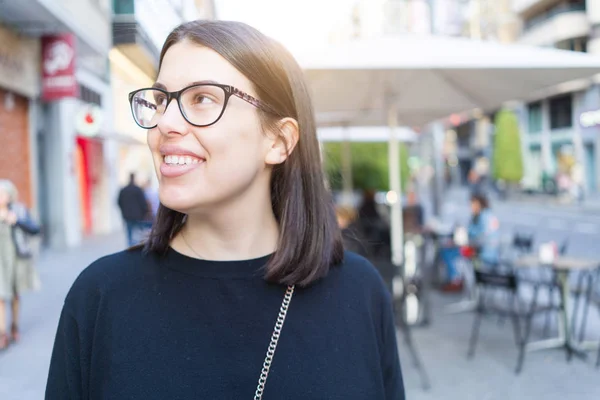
(14, 145)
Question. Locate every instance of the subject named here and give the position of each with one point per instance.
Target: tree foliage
(507, 157)
(369, 165)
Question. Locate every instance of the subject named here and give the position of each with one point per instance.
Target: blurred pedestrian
(134, 209)
(372, 227)
(351, 236)
(17, 272)
(245, 250)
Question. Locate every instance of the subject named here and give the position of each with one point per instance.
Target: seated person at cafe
(484, 236)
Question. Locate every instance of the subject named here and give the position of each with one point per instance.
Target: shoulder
(355, 266)
(108, 273)
(358, 276)
(490, 219)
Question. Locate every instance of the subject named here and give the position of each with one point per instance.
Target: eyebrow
(159, 85)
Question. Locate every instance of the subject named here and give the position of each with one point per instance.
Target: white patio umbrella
(416, 79)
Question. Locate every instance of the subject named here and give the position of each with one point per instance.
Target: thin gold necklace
(188, 245)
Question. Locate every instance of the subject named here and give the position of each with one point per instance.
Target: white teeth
(180, 160)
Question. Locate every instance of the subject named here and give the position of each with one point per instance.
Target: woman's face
(4, 198)
(233, 154)
(475, 207)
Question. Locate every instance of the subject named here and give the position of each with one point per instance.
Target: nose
(172, 121)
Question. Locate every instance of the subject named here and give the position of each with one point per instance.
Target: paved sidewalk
(24, 367)
(490, 374)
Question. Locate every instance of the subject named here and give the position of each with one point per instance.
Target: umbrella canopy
(363, 134)
(430, 77)
(417, 79)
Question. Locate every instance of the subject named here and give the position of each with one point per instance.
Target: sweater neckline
(216, 269)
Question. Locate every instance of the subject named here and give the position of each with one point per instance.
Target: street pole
(437, 133)
(347, 187)
(394, 165)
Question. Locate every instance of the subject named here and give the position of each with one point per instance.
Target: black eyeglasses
(200, 104)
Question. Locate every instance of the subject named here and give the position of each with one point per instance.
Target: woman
(484, 230)
(484, 234)
(244, 274)
(17, 273)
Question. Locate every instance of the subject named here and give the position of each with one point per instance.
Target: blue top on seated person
(484, 230)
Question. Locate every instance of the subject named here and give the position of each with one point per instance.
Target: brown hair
(481, 199)
(310, 240)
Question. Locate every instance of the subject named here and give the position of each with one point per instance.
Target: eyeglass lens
(200, 105)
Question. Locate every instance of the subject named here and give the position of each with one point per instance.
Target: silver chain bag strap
(273, 344)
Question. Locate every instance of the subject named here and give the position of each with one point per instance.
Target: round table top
(566, 263)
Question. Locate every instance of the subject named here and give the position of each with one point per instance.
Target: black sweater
(146, 327)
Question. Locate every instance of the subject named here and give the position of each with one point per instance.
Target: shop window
(534, 112)
(123, 6)
(561, 112)
(575, 44)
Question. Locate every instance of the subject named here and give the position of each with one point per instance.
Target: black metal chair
(523, 243)
(588, 288)
(498, 294)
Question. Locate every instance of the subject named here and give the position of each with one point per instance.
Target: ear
(283, 142)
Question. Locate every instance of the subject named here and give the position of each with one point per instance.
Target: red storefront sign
(58, 67)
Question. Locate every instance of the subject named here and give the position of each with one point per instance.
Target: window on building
(123, 6)
(576, 44)
(544, 14)
(89, 96)
(561, 112)
(534, 112)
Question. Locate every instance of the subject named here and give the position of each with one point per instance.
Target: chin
(183, 201)
(180, 203)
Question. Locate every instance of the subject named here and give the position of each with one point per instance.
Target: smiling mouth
(181, 160)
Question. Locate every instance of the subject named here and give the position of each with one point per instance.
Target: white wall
(64, 216)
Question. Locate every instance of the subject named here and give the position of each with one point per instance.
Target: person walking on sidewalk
(244, 276)
(17, 272)
(134, 209)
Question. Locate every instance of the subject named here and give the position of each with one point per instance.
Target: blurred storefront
(561, 127)
(19, 61)
(72, 172)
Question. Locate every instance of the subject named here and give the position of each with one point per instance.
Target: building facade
(19, 87)
(55, 58)
(66, 67)
(560, 133)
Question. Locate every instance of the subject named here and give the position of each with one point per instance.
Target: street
(580, 228)
(23, 368)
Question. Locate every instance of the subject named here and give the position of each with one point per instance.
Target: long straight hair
(310, 240)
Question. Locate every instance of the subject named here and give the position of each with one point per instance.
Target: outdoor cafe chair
(498, 294)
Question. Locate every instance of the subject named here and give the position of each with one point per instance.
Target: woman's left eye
(203, 100)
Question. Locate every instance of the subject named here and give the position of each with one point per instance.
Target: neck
(235, 231)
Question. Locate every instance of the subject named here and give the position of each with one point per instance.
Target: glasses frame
(228, 89)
